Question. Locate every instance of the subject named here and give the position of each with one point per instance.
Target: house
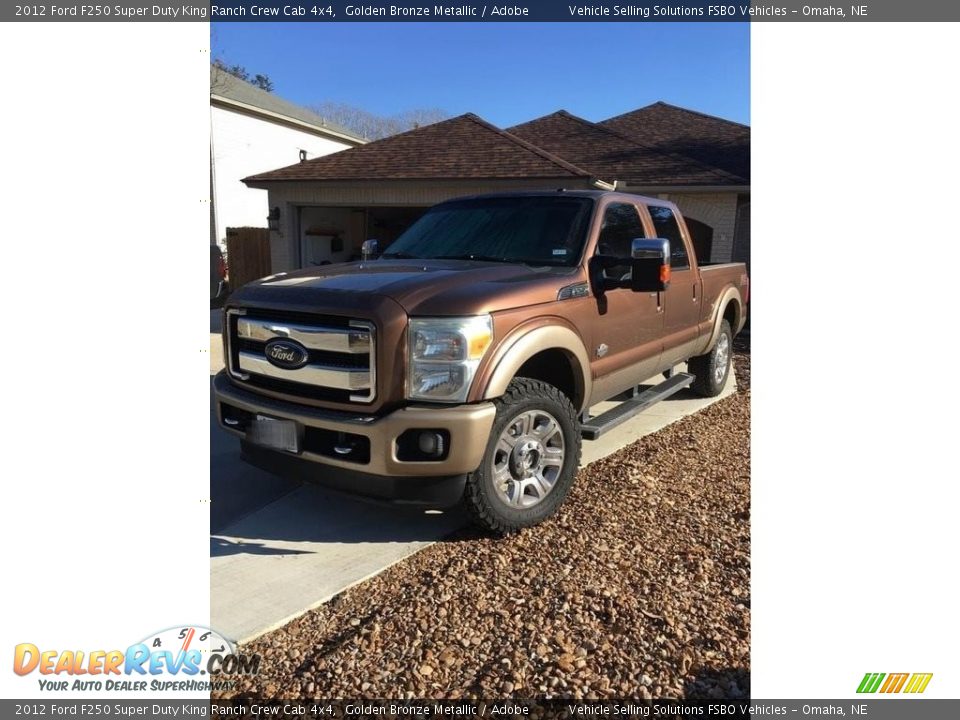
(705, 193)
(327, 206)
(252, 130)
(720, 143)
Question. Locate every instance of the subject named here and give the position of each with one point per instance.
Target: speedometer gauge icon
(183, 639)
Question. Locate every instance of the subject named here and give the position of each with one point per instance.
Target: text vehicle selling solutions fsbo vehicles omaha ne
(462, 362)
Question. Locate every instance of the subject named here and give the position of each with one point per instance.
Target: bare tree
(419, 117)
(262, 81)
(239, 71)
(374, 127)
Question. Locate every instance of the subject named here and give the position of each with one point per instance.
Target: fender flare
(730, 295)
(524, 343)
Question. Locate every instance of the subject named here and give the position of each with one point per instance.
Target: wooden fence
(248, 254)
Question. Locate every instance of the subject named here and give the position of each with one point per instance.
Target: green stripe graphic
(871, 682)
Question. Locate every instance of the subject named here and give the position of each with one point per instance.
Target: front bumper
(377, 471)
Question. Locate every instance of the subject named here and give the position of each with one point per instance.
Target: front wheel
(531, 458)
(713, 369)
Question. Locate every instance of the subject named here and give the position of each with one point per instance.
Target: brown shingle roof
(717, 142)
(611, 155)
(463, 147)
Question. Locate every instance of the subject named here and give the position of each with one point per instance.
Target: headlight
(444, 354)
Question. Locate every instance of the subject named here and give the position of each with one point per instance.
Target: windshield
(537, 230)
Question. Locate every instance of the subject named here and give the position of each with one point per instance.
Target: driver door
(628, 327)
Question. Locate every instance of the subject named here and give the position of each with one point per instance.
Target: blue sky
(506, 73)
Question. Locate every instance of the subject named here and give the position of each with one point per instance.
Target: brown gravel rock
(639, 587)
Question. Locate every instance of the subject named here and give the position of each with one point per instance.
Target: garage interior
(335, 234)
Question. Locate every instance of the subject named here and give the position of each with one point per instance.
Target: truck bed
(719, 276)
(716, 275)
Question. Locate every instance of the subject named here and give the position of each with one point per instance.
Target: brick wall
(741, 243)
(718, 210)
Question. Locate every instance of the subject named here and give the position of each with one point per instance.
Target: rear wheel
(713, 369)
(530, 461)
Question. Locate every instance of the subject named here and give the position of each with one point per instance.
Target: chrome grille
(349, 341)
(342, 356)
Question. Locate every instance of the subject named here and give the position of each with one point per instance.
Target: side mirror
(370, 249)
(650, 263)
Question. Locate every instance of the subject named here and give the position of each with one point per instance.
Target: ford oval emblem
(286, 354)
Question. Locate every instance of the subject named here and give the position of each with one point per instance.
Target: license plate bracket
(274, 433)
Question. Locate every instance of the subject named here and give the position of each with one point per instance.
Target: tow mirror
(650, 263)
(370, 249)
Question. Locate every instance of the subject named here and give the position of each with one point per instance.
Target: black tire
(483, 500)
(705, 367)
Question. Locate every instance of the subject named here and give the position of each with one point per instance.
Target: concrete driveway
(278, 549)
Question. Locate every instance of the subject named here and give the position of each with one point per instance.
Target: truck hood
(421, 287)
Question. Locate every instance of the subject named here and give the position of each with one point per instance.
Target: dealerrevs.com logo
(909, 683)
(182, 659)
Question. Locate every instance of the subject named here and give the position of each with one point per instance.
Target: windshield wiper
(533, 262)
(473, 256)
(401, 256)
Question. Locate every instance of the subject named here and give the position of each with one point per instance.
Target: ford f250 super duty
(461, 364)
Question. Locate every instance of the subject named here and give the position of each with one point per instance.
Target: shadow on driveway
(236, 488)
(249, 506)
(221, 546)
(311, 518)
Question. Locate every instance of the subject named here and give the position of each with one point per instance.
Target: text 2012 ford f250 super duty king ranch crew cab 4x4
(462, 363)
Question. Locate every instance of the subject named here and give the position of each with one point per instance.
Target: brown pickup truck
(461, 364)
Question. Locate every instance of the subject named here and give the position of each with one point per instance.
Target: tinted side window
(666, 226)
(621, 224)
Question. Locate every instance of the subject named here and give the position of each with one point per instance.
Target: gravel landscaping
(638, 588)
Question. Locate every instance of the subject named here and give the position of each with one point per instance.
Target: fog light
(430, 443)
(423, 445)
